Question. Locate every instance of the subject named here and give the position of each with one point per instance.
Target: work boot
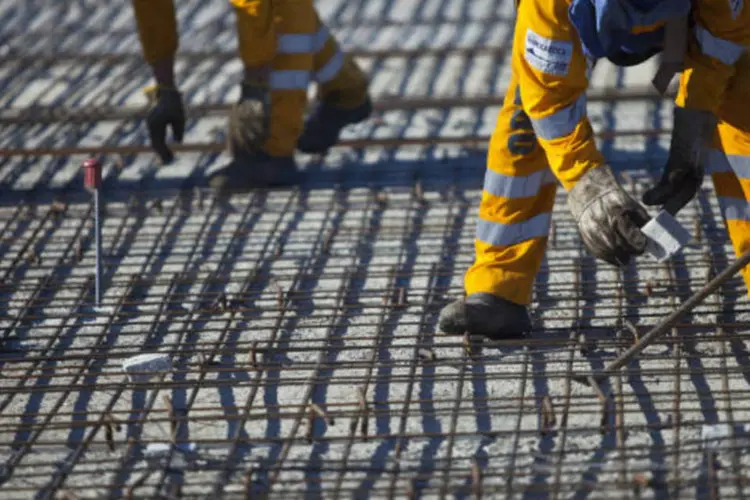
(248, 171)
(323, 127)
(487, 315)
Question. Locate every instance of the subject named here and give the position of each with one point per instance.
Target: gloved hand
(248, 120)
(683, 174)
(608, 218)
(166, 111)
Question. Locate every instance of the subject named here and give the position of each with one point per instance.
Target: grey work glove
(248, 120)
(608, 218)
(683, 174)
(166, 111)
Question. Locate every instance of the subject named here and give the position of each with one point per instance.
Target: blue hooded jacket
(606, 27)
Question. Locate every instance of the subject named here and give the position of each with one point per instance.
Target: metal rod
(98, 245)
(670, 320)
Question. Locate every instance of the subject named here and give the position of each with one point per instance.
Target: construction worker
(543, 137)
(284, 47)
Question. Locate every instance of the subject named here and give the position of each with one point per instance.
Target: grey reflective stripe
(719, 162)
(319, 39)
(331, 69)
(735, 208)
(509, 186)
(302, 43)
(495, 233)
(294, 44)
(561, 123)
(289, 80)
(722, 50)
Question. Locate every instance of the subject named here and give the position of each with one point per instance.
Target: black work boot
(487, 315)
(248, 171)
(323, 127)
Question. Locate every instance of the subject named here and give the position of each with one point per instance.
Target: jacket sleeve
(720, 37)
(553, 78)
(157, 28)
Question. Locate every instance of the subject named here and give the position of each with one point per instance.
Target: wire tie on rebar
(427, 354)
(321, 413)
(640, 481)
(419, 192)
(476, 479)
(649, 288)
(401, 298)
(58, 207)
(698, 229)
(382, 199)
(279, 294)
(32, 257)
(310, 424)
(172, 417)
(253, 354)
(157, 205)
(549, 420)
(109, 431)
(328, 240)
(585, 346)
(364, 410)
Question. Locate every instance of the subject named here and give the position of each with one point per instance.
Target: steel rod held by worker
(93, 180)
(670, 320)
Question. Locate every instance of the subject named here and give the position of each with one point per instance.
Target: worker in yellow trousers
(713, 111)
(284, 47)
(543, 138)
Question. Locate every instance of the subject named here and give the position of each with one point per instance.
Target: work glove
(249, 120)
(166, 111)
(608, 218)
(683, 174)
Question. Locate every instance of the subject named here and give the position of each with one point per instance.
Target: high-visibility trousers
(516, 208)
(729, 160)
(519, 193)
(288, 36)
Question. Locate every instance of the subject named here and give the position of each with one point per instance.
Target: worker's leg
(514, 219)
(342, 94)
(276, 44)
(730, 161)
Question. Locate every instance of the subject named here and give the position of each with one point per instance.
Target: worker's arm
(157, 31)
(721, 35)
(553, 78)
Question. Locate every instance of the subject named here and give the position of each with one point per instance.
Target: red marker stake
(92, 170)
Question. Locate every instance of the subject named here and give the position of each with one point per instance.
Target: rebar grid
(294, 317)
(301, 324)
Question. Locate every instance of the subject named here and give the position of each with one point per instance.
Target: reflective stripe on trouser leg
(729, 161)
(293, 27)
(339, 77)
(515, 211)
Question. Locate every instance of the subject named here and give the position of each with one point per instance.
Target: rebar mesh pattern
(301, 324)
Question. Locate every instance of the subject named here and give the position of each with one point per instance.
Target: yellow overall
(285, 35)
(543, 136)
(717, 78)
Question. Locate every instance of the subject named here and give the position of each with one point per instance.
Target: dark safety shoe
(486, 315)
(249, 171)
(324, 125)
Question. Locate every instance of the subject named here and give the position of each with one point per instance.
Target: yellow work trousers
(288, 37)
(729, 161)
(516, 208)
